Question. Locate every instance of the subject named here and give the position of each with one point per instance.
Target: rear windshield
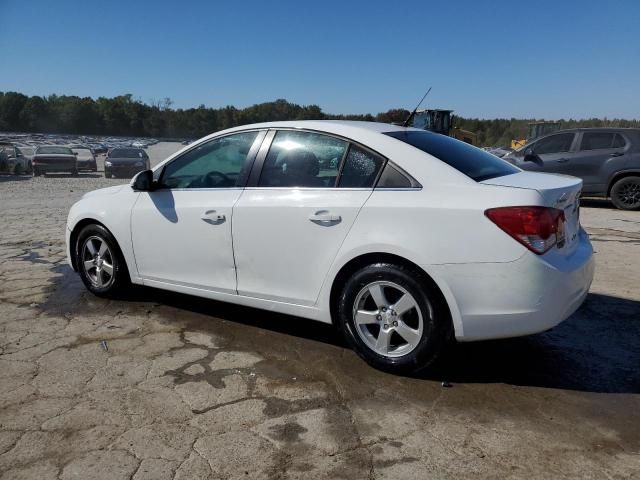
(55, 151)
(126, 153)
(473, 162)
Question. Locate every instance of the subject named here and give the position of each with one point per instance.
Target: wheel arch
(619, 176)
(365, 259)
(73, 238)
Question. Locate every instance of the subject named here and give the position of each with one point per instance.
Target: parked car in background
(606, 159)
(54, 158)
(86, 160)
(402, 238)
(125, 162)
(13, 160)
(99, 148)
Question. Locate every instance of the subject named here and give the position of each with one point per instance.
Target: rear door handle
(213, 217)
(563, 160)
(617, 154)
(323, 217)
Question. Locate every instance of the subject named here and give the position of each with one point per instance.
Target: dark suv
(606, 159)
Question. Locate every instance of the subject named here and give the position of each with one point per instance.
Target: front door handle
(213, 217)
(563, 160)
(617, 154)
(323, 217)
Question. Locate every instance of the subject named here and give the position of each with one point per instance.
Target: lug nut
(386, 325)
(378, 317)
(395, 324)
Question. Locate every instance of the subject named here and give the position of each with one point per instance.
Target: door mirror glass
(529, 156)
(143, 181)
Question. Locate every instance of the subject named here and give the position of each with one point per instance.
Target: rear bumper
(55, 167)
(527, 296)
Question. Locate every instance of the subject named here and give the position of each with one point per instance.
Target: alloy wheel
(388, 319)
(98, 262)
(629, 194)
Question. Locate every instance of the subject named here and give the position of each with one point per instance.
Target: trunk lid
(557, 191)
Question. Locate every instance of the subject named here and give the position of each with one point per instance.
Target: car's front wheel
(625, 193)
(100, 263)
(393, 318)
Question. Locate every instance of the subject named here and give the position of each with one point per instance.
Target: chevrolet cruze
(400, 237)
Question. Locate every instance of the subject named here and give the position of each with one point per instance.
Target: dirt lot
(190, 388)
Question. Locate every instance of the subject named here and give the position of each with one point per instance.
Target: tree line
(126, 116)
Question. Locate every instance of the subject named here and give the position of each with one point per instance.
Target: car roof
(329, 125)
(369, 134)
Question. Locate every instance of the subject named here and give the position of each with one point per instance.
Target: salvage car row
(119, 162)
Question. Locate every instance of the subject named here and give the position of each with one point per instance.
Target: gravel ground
(172, 386)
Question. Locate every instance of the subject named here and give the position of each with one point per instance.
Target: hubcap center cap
(389, 318)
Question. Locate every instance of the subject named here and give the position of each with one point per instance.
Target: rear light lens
(537, 228)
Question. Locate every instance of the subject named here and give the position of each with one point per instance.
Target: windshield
(126, 153)
(473, 162)
(54, 151)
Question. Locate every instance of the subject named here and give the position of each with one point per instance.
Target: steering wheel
(209, 179)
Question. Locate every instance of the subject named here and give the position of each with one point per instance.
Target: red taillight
(537, 228)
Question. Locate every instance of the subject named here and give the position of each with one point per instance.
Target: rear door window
(619, 141)
(598, 140)
(554, 144)
(473, 162)
(302, 159)
(360, 169)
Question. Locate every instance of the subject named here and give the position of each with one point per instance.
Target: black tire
(625, 193)
(29, 168)
(75, 173)
(436, 330)
(36, 172)
(121, 281)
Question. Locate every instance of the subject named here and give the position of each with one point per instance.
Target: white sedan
(400, 237)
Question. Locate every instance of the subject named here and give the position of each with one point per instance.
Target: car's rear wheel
(625, 193)
(100, 262)
(393, 318)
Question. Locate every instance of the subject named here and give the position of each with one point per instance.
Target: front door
(288, 228)
(181, 232)
(554, 154)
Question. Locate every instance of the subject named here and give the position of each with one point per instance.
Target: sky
(486, 59)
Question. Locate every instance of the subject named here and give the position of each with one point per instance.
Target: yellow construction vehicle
(536, 129)
(439, 121)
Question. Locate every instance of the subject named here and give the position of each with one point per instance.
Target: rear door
(598, 153)
(303, 197)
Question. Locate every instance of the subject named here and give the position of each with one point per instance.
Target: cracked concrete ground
(187, 388)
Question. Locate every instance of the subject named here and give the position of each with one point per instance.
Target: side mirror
(75, 153)
(529, 156)
(143, 181)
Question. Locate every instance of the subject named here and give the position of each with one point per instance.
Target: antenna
(406, 122)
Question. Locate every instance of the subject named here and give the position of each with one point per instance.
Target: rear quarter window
(473, 162)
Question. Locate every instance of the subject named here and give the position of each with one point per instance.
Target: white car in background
(400, 237)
